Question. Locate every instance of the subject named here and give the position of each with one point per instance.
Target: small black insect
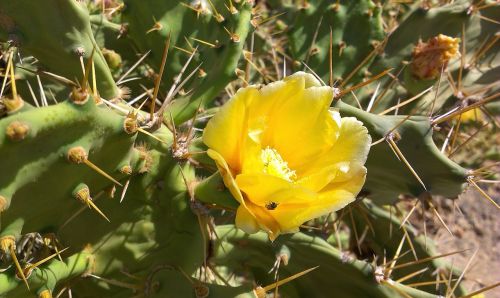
(271, 205)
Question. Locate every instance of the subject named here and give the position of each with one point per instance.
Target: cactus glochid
(239, 148)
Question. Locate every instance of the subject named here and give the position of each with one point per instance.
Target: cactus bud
(113, 59)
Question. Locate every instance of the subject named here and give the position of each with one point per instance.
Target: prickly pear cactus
(345, 31)
(65, 31)
(213, 33)
(165, 149)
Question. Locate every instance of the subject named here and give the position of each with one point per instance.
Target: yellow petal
(272, 96)
(251, 162)
(319, 179)
(290, 218)
(352, 185)
(226, 174)
(268, 195)
(354, 141)
(263, 189)
(258, 187)
(246, 221)
(352, 146)
(301, 119)
(335, 196)
(225, 132)
(309, 79)
(265, 220)
(268, 105)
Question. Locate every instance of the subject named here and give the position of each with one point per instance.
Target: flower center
(275, 165)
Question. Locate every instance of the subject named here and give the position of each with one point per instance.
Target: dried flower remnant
(429, 58)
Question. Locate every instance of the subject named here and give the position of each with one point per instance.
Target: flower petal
(352, 185)
(226, 174)
(321, 178)
(263, 189)
(334, 197)
(258, 187)
(225, 132)
(291, 218)
(352, 146)
(249, 217)
(251, 162)
(302, 119)
(246, 221)
(309, 79)
(265, 220)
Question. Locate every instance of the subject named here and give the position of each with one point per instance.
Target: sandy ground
(477, 226)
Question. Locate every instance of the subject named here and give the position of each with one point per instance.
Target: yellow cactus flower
(473, 115)
(285, 156)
